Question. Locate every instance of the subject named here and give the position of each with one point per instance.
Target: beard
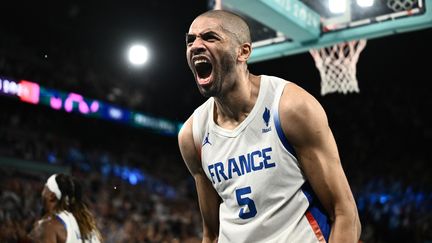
(221, 72)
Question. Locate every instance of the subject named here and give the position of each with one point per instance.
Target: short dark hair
(233, 23)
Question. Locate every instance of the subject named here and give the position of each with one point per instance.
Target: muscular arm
(305, 125)
(48, 230)
(208, 198)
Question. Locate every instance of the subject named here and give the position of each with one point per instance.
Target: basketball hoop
(337, 66)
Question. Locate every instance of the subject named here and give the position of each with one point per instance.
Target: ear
(245, 51)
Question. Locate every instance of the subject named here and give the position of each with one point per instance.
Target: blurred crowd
(393, 211)
(124, 212)
(138, 186)
(140, 191)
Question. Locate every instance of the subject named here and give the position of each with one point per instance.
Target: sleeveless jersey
(254, 169)
(73, 234)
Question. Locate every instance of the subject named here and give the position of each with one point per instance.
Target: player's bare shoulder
(188, 148)
(185, 131)
(47, 229)
(300, 112)
(185, 137)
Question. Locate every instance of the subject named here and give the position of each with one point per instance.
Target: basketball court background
(384, 132)
(334, 32)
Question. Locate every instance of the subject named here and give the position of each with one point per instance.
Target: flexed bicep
(305, 124)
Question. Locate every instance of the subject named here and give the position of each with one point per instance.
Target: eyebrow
(205, 32)
(191, 37)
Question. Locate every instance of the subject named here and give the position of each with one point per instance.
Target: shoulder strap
(276, 118)
(199, 122)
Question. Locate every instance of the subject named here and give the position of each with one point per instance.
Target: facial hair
(221, 71)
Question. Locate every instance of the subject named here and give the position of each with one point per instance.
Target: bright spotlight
(138, 54)
(337, 6)
(365, 3)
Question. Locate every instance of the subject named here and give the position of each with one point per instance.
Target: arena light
(365, 3)
(27, 91)
(138, 54)
(337, 6)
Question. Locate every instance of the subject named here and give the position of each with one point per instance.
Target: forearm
(208, 236)
(209, 206)
(346, 229)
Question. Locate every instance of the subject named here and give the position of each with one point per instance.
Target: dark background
(384, 133)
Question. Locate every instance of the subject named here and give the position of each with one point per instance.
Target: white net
(337, 66)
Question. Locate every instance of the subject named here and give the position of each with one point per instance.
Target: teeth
(200, 61)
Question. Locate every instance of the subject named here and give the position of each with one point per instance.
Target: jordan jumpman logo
(206, 140)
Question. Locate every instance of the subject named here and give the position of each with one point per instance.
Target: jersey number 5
(243, 201)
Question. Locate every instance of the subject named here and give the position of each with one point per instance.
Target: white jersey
(73, 234)
(255, 171)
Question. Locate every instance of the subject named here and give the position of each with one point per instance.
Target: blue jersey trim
(61, 221)
(281, 134)
(317, 211)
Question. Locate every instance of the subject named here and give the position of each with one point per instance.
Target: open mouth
(203, 69)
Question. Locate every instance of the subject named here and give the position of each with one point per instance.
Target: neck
(50, 208)
(234, 106)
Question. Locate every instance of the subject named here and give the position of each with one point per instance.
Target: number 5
(245, 201)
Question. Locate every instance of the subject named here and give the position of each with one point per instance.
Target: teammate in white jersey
(66, 217)
(264, 160)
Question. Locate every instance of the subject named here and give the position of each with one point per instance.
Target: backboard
(285, 27)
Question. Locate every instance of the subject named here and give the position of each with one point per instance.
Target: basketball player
(66, 217)
(264, 160)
